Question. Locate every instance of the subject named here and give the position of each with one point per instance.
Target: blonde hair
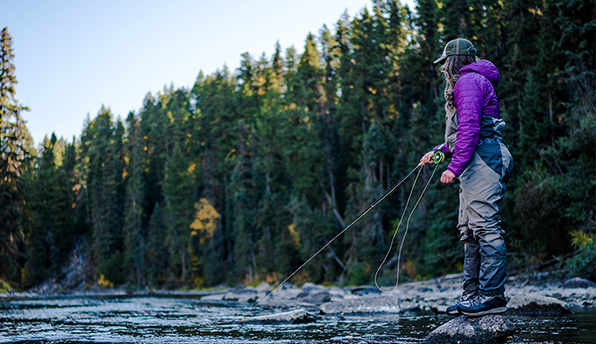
(451, 73)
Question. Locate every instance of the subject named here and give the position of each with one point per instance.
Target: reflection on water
(188, 320)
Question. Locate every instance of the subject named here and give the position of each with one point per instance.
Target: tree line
(243, 176)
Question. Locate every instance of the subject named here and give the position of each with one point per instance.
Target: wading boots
(452, 310)
(483, 303)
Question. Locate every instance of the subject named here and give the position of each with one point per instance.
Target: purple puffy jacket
(474, 97)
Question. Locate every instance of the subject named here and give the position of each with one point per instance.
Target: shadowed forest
(242, 176)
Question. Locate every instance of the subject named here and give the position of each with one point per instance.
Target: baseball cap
(459, 46)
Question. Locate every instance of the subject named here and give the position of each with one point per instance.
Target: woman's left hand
(447, 177)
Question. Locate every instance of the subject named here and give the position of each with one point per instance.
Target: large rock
(312, 288)
(316, 298)
(376, 304)
(534, 304)
(467, 330)
(299, 316)
(263, 288)
(365, 290)
(578, 282)
(248, 294)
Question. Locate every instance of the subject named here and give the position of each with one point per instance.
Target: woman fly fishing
(482, 163)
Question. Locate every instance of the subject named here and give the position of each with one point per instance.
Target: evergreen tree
(15, 150)
(178, 213)
(134, 238)
(156, 253)
(104, 181)
(50, 234)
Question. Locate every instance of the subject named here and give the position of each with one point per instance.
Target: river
(149, 319)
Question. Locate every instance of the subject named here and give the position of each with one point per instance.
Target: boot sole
(457, 312)
(497, 310)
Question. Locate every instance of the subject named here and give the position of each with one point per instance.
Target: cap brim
(440, 59)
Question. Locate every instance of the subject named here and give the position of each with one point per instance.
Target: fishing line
(405, 233)
(438, 158)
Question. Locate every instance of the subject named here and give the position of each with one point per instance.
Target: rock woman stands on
(482, 163)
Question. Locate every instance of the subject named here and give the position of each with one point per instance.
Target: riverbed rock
(467, 330)
(534, 304)
(299, 316)
(315, 298)
(312, 288)
(248, 294)
(365, 290)
(578, 282)
(377, 304)
(213, 297)
(263, 287)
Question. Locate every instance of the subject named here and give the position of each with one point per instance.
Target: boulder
(248, 294)
(213, 297)
(335, 291)
(534, 304)
(299, 316)
(377, 304)
(316, 298)
(311, 287)
(467, 330)
(302, 295)
(263, 287)
(365, 290)
(578, 282)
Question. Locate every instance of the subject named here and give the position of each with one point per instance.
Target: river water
(189, 320)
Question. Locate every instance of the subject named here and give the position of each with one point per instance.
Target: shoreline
(434, 295)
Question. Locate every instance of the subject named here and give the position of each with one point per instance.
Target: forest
(242, 176)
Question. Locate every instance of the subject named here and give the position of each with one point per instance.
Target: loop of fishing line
(405, 233)
(375, 203)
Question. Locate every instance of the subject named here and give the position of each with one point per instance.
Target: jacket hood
(484, 68)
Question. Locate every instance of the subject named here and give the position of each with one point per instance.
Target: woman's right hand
(427, 159)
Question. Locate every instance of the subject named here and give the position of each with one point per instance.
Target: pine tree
(49, 204)
(156, 252)
(134, 238)
(178, 213)
(104, 181)
(15, 150)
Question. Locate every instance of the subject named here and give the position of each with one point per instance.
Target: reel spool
(438, 157)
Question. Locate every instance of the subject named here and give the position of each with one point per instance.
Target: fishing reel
(438, 157)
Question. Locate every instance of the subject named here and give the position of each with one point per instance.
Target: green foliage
(15, 152)
(583, 263)
(287, 149)
(112, 269)
(49, 208)
(358, 274)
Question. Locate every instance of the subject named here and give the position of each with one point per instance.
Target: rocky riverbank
(312, 303)
(427, 296)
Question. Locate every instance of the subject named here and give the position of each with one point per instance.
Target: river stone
(316, 298)
(214, 297)
(533, 304)
(335, 291)
(578, 282)
(299, 316)
(365, 290)
(263, 287)
(467, 330)
(248, 294)
(376, 304)
(302, 295)
(311, 287)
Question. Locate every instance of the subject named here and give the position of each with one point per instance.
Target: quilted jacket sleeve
(443, 148)
(468, 95)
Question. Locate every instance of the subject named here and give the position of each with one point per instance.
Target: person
(482, 163)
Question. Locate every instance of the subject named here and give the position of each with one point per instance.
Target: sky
(72, 56)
